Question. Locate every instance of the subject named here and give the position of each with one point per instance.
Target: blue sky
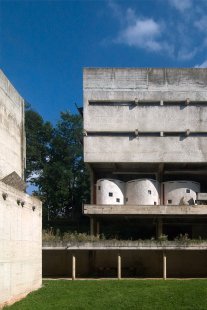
(45, 44)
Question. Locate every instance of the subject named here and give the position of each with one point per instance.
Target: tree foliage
(38, 138)
(62, 181)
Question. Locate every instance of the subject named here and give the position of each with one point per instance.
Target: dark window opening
(187, 190)
(117, 200)
(99, 188)
(126, 199)
(110, 194)
(155, 203)
(169, 201)
(149, 192)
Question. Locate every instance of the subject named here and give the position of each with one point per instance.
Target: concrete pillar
(91, 226)
(92, 182)
(164, 265)
(160, 172)
(73, 267)
(119, 267)
(97, 228)
(94, 227)
(159, 228)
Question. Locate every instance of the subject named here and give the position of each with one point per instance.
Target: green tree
(38, 138)
(64, 183)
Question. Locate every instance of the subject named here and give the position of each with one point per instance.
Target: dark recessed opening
(99, 187)
(117, 200)
(169, 201)
(149, 192)
(110, 194)
(188, 191)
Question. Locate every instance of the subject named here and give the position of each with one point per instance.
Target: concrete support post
(119, 267)
(159, 228)
(97, 228)
(73, 267)
(92, 181)
(164, 265)
(91, 226)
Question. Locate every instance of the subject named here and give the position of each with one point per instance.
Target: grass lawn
(114, 294)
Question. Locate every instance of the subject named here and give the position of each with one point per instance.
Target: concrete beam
(101, 210)
(98, 246)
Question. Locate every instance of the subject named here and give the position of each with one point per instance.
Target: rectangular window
(110, 194)
(117, 200)
(169, 201)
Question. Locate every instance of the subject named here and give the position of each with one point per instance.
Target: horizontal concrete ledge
(135, 246)
(109, 102)
(144, 210)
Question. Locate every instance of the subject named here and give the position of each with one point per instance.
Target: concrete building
(148, 129)
(20, 214)
(12, 135)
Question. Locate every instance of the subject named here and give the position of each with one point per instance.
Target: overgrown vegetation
(124, 294)
(51, 237)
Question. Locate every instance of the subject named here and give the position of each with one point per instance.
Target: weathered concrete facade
(148, 124)
(12, 132)
(20, 214)
(20, 244)
(145, 115)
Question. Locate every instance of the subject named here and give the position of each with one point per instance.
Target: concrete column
(119, 267)
(91, 226)
(160, 172)
(92, 181)
(159, 228)
(97, 228)
(73, 267)
(164, 265)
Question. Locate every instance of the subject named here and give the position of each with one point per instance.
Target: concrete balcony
(164, 210)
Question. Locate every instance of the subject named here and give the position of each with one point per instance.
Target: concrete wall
(135, 263)
(145, 149)
(12, 135)
(149, 87)
(20, 244)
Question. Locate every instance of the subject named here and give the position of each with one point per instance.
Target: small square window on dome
(110, 194)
